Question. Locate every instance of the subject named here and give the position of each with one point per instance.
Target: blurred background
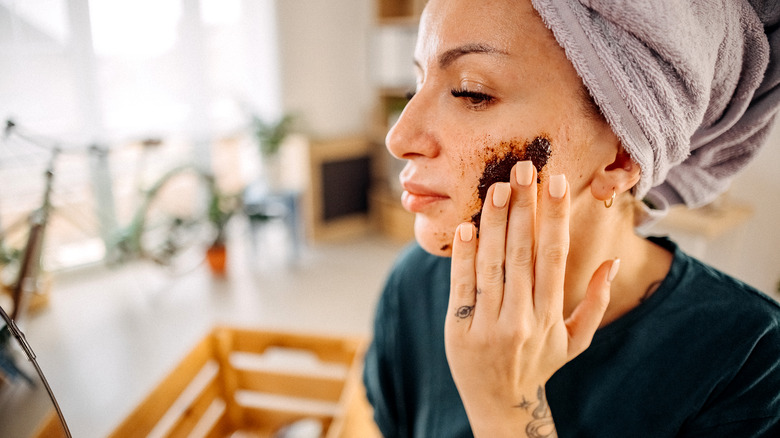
(283, 105)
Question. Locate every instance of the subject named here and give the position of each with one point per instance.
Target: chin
(434, 238)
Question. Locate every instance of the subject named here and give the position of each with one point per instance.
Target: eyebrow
(450, 56)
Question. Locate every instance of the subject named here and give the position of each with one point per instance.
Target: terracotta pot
(216, 256)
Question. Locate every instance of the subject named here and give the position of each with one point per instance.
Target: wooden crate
(239, 382)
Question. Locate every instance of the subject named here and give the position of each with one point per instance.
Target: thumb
(588, 314)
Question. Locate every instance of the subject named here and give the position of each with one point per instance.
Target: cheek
(473, 171)
(494, 162)
(573, 156)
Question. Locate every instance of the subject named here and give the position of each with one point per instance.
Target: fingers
(463, 279)
(492, 247)
(552, 248)
(520, 264)
(587, 316)
(507, 286)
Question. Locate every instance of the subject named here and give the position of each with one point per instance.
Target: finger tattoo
(464, 312)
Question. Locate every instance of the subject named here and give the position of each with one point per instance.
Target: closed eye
(474, 99)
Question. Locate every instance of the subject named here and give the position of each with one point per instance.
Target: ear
(620, 175)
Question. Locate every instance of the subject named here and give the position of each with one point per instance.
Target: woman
(529, 305)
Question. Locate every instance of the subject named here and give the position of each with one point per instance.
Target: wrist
(529, 416)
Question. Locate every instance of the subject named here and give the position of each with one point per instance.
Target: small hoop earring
(608, 203)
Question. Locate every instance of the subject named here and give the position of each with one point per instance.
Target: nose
(412, 135)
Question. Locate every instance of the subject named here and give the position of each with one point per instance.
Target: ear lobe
(619, 176)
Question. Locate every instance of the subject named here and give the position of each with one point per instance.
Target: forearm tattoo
(542, 426)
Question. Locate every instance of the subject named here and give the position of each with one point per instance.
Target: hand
(505, 333)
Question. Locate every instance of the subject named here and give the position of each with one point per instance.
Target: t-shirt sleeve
(379, 375)
(747, 403)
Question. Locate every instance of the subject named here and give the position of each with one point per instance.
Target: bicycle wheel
(176, 231)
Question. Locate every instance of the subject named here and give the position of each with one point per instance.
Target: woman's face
(493, 86)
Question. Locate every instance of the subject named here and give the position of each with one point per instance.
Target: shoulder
(732, 324)
(710, 291)
(741, 340)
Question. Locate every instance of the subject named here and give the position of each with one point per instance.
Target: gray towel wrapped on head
(690, 87)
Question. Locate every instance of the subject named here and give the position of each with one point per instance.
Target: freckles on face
(500, 159)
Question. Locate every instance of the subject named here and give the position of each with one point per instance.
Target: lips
(417, 197)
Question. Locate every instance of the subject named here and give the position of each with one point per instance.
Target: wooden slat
(274, 419)
(293, 385)
(143, 419)
(51, 427)
(224, 341)
(194, 412)
(329, 349)
(221, 429)
(355, 418)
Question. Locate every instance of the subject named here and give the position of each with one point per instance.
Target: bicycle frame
(126, 242)
(30, 261)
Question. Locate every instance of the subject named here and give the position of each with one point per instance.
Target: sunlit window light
(35, 20)
(141, 28)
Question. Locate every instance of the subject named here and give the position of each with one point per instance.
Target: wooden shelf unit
(387, 214)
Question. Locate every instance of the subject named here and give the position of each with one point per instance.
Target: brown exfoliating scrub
(499, 167)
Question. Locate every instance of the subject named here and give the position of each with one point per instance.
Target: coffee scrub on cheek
(500, 159)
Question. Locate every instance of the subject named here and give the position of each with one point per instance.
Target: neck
(606, 234)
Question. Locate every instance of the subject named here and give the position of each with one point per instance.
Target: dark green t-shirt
(700, 357)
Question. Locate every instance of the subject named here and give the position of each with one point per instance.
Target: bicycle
(173, 225)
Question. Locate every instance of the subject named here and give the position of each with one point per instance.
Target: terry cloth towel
(690, 87)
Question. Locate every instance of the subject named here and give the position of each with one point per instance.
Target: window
(86, 70)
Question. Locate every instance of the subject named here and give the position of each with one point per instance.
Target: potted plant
(270, 134)
(221, 208)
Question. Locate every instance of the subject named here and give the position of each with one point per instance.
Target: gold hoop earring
(608, 203)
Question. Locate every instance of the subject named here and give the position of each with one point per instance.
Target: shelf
(411, 22)
(390, 103)
(395, 12)
(397, 22)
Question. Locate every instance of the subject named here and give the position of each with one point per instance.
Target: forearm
(528, 417)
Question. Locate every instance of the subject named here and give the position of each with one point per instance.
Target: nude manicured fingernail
(557, 186)
(613, 270)
(466, 232)
(501, 192)
(524, 173)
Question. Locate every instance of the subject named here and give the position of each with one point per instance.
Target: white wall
(324, 47)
